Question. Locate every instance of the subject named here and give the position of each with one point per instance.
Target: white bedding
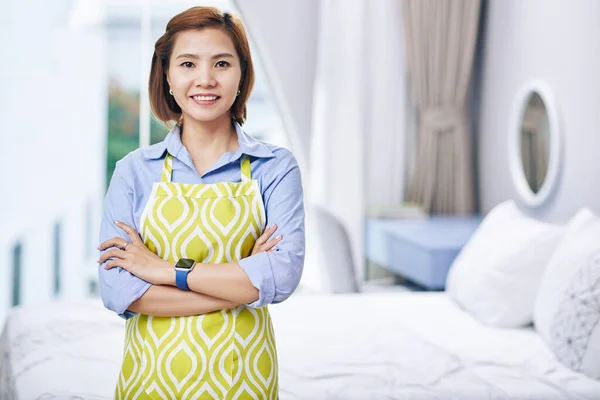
(411, 346)
(61, 351)
(362, 346)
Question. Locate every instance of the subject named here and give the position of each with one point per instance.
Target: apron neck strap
(245, 169)
(167, 170)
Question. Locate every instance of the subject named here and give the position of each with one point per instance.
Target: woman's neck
(209, 138)
(206, 142)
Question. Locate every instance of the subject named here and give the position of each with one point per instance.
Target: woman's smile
(205, 99)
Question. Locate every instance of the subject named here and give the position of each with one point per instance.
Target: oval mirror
(534, 146)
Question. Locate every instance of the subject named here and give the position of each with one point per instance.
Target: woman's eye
(187, 64)
(222, 64)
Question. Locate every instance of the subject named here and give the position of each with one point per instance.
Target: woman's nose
(205, 77)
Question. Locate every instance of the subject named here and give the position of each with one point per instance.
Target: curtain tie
(444, 118)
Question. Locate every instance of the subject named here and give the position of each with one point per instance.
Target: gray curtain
(440, 42)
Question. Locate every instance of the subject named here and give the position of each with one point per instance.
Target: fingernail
(117, 222)
(278, 237)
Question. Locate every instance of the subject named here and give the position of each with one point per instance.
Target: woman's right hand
(263, 243)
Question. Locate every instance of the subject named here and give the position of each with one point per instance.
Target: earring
(170, 92)
(238, 93)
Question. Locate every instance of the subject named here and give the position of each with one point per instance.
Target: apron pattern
(227, 354)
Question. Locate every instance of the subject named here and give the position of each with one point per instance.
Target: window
(16, 273)
(57, 257)
(88, 230)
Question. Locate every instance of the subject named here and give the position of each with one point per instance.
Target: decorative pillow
(567, 308)
(497, 274)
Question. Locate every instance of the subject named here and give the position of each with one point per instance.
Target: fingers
(270, 245)
(112, 264)
(113, 242)
(114, 253)
(133, 235)
(266, 235)
(120, 242)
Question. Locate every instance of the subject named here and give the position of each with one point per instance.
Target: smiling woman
(187, 257)
(189, 55)
(193, 77)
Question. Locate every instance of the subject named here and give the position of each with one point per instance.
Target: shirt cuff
(258, 268)
(127, 314)
(130, 294)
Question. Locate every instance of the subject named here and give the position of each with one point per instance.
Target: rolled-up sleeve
(118, 287)
(277, 274)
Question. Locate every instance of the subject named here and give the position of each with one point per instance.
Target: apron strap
(167, 170)
(245, 169)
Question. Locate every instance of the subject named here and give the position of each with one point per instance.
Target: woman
(195, 282)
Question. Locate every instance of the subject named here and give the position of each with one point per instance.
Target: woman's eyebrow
(222, 55)
(187, 55)
(195, 56)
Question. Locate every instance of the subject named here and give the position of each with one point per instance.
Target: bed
(392, 345)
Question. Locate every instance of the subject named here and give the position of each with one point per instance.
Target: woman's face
(204, 74)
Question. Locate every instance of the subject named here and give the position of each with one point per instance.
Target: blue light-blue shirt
(275, 274)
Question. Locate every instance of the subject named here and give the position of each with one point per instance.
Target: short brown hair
(163, 104)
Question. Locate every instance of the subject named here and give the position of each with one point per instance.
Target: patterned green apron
(228, 354)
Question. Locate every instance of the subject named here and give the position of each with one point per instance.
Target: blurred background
(89, 60)
(391, 119)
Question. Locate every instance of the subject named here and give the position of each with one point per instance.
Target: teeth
(204, 98)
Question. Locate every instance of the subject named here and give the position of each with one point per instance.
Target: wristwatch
(182, 269)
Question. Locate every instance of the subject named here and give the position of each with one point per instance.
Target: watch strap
(181, 279)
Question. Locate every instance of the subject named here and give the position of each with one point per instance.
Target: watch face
(185, 263)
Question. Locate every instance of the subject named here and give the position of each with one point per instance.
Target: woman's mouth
(205, 100)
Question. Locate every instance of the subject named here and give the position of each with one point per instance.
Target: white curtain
(388, 110)
(285, 36)
(357, 149)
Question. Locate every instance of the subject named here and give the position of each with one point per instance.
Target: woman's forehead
(203, 43)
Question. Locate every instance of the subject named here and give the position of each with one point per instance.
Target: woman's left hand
(136, 258)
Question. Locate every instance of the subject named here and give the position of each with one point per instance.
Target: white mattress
(368, 346)
(411, 346)
(61, 351)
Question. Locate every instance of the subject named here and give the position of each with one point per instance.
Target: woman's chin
(207, 117)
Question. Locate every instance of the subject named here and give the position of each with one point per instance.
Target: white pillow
(567, 308)
(497, 274)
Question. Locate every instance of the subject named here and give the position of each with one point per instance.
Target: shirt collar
(172, 143)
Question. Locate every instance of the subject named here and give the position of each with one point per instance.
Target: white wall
(53, 133)
(557, 41)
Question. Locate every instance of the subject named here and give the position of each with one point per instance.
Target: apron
(228, 354)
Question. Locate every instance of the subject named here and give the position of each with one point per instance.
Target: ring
(124, 246)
